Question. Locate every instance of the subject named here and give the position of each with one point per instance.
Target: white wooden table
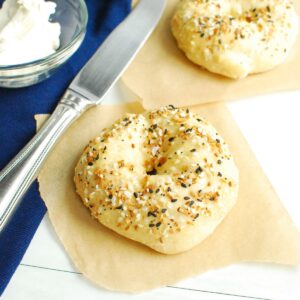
(47, 273)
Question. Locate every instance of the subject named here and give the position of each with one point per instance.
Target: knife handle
(19, 174)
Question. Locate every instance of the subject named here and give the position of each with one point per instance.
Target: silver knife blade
(117, 51)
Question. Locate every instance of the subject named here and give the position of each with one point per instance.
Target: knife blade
(87, 89)
(117, 51)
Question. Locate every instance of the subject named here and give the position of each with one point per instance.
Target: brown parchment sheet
(161, 72)
(257, 229)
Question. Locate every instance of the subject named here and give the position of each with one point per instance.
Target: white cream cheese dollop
(26, 34)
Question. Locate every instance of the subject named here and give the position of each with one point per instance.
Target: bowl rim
(60, 52)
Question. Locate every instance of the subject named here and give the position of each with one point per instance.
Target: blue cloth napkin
(17, 126)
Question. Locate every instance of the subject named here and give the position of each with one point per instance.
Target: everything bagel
(164, 178)
(235, 38)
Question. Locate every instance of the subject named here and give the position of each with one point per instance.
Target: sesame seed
(151, 214)
(152, 172)
(199, 170)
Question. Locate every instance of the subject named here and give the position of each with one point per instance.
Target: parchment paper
(174, 77)
(257, 229)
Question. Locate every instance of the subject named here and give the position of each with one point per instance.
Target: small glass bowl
(72, 15)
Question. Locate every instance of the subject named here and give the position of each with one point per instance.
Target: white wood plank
(34, 283)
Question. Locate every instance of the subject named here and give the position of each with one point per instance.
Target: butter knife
(87, 89)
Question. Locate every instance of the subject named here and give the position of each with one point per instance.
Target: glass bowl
(72, 15)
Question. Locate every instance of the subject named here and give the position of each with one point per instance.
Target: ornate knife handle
(19, 174)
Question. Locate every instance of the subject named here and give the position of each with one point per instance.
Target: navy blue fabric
(17, 108)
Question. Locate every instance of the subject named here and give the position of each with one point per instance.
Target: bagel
(164, 178)
(235, 38)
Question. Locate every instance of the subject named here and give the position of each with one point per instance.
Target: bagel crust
(235, 38)
(164, 178)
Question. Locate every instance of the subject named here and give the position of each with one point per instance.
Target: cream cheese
(26, 34)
